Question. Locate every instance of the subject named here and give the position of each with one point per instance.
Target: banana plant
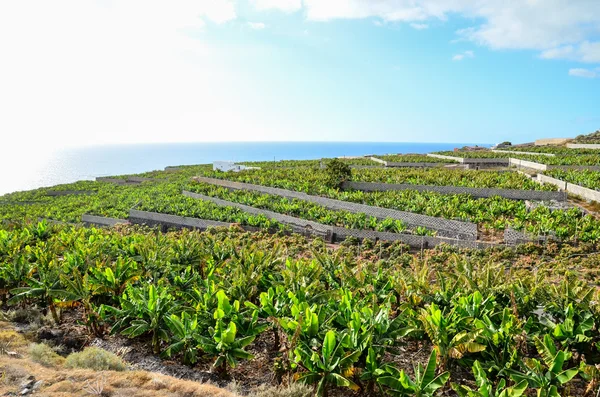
(334, 366)
(424, 384)
(449, 343)
(486, 387)
(548, 374)
(184, 338)
(143, 310)
(225, 346)
(502, 340)
(46, 288)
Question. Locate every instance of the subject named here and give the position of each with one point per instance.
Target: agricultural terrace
(353, 320)
(493, 215)
(364, 318)
(412, 158)
(585, 178)
(571, 158)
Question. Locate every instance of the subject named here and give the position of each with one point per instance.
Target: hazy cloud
(587, 73)
(562, 29)
(281, 5)
(419, 26)
(463, 55)
(257, 25)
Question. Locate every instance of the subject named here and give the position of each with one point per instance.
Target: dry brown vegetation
(17, 366)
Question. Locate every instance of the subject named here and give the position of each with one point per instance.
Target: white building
(227, 166)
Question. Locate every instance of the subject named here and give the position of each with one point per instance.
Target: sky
(89, 72)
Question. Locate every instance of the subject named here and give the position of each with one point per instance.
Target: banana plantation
(256, 304)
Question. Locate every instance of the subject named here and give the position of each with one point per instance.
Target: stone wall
(514, 194)
(444, 227)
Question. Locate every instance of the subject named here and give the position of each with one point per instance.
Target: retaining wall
(553, 181)
(155, 218)
(514, 237)
(444, 227)
(101, 220)
(55, 193)
(415, 165)
(407, 164)
(335, 233)
(441, 156)
(380, 161)
(528, 164)
(583, 192)
(514, 194)
(583, 146)
(530, 153)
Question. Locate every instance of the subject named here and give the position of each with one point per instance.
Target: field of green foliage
(585, 178)
(563, 156)
(162, 193)
(371, 319)
(360, 319)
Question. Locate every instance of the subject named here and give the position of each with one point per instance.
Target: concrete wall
(514, 194)
(101, 221)
(380, 161)
(553, 181)
(531, 153)
(583, 192)
(444, 227)
(486, 161)
(527, 164)
(55, 193)
(583, 146)
(440, 156)
(415, 165)
(154, 218)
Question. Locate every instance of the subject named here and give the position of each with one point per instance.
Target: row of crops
(163, 194)
(353, 321)
(575, 158)
(493, 214)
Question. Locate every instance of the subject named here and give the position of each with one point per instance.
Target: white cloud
(463, 55)
(549, 26)
(257, 25)
(419, 26)
(587, 73)
(282, 5)
(588, 52)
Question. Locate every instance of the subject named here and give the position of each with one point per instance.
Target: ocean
(47, 168)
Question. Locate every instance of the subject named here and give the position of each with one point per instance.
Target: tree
(337, 172)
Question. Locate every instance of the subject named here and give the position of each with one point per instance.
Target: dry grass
(62, 382)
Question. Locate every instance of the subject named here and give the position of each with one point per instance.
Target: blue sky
(92, 72)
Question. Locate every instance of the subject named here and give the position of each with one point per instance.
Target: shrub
(43, 354)
(337, 172)
(96, 359)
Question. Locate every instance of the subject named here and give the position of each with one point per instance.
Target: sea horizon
(72, 164)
